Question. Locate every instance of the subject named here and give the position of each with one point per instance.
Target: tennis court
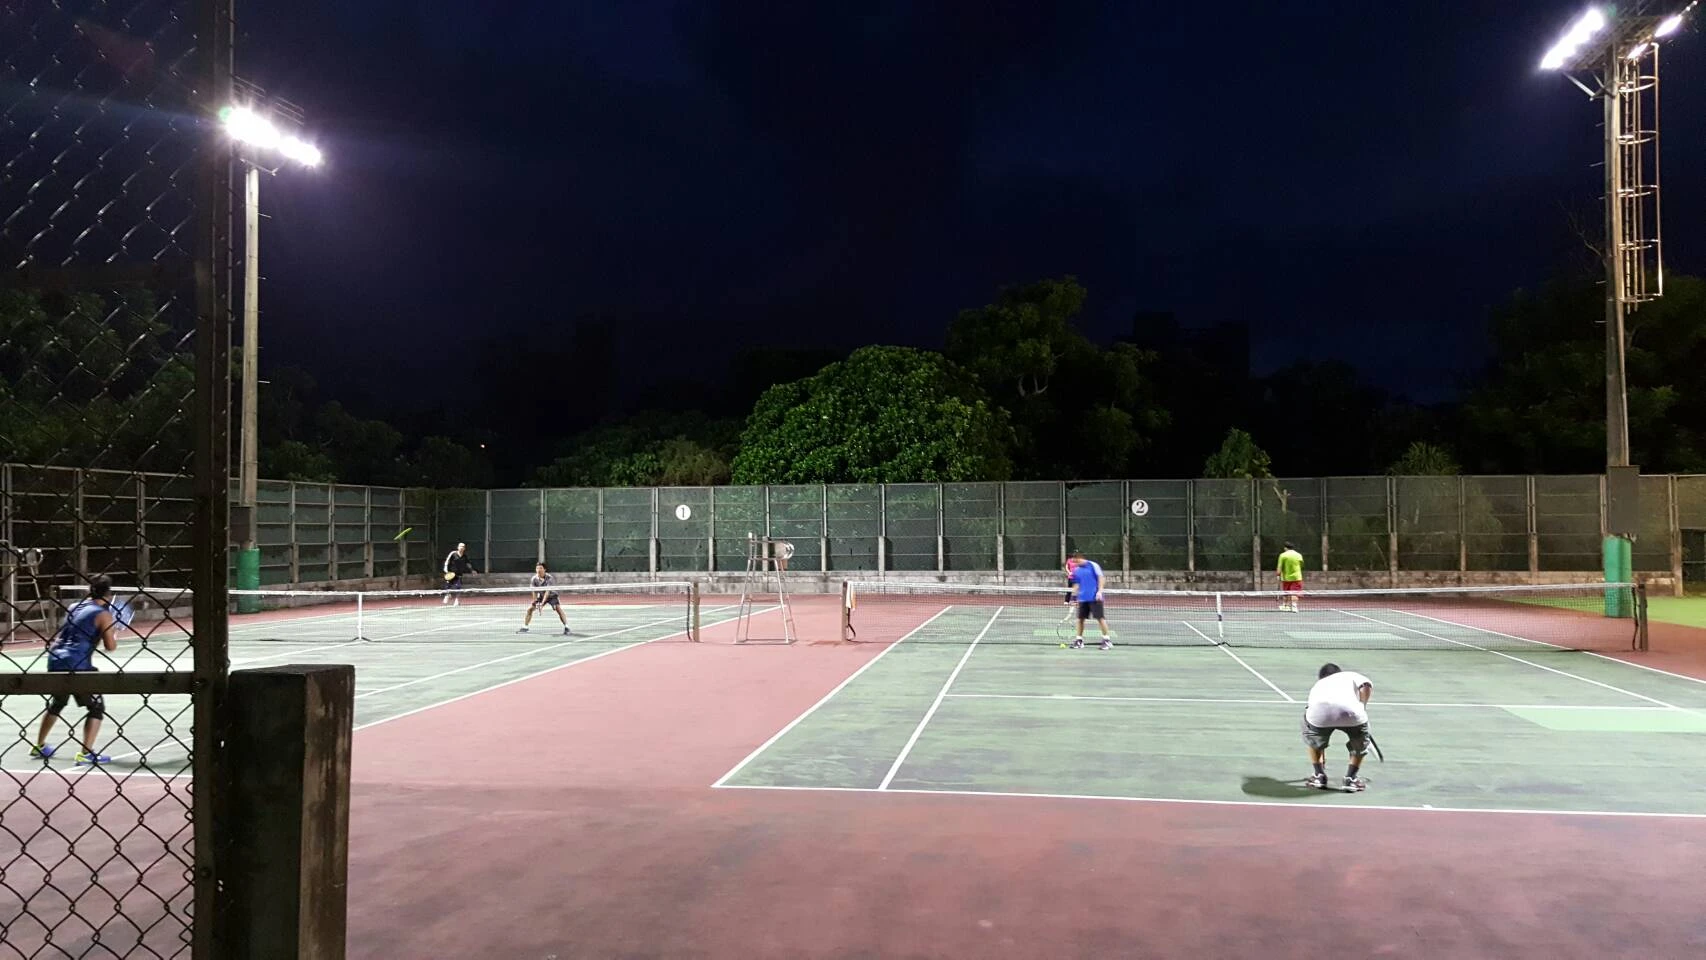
(974, 698)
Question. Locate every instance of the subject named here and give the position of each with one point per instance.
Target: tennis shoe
(446, 600)
(1107, 644)
(567, 632)
(1316, 782)
(1355, 785)
(1078, 644)
(43, 752)
(92, 759)
(522, 630)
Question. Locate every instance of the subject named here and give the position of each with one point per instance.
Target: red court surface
(571, 815)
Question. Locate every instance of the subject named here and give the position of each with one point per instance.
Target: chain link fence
(114, 378)
(1469, 526)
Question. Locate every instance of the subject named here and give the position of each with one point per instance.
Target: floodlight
(1669, 26)
(301, 151)
(1579, 33)
(250, 127)
(1640, 48)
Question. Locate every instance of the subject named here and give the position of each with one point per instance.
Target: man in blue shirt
(1087, 578)
(73, 651)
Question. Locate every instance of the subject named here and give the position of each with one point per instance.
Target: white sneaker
(446, 600)
(1355, 785)
(457, 602)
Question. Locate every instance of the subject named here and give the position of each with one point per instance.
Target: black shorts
(1318, 737)
(454, 583)
(549, 600)
(92, 702)
(1090, 610)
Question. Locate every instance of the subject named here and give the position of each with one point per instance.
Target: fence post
(403, 521)
(367, 532)
(652, 541)
(142, 559)
(711, 534)
(9, 582)
(1256, 534)
(1673, 520)
(882, 530)
(1125, 531)
(1062, 519)
(539, 550)
(1321, 514)
(1001, 532)
(79, 536)
(331, 531)
(1190, 526)
(488, 554)
(295, 548)
(1534, 530)
(941, 553)
(823, 534)
(1462, 525)
(598, 538)
(1392, 530)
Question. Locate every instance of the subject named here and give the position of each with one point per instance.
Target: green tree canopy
(1079, 410)
(1238, 459)
(883, 415)
(649, 449)
(1424, 459)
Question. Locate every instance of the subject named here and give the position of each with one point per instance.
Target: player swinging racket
(1290, 572)
(1087, 577)
(1338, 701)
(73, 651)
(543, 598)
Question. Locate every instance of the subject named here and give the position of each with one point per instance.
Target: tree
(1238, 459)
(442, 462)
(883, 415)
(649, 449)
(1079, 410)
(298, 461)
(1540, 407)
(1424, 459)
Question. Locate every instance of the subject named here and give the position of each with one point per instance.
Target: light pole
(263, 140)
(1612, 54)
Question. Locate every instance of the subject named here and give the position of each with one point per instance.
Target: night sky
(1357, 180)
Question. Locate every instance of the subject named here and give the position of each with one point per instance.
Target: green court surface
(1541, 729)
(411, 661)
(1686, 611)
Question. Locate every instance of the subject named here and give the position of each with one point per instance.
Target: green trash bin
(1619, 568)
(249, 578)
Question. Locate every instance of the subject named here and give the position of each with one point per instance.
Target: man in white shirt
(1338, 701)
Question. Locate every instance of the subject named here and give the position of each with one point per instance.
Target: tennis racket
(448, 576)
(122, 613)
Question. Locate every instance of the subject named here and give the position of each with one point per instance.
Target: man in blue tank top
(72, 650)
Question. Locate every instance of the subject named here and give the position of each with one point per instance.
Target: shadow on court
(1280, 789)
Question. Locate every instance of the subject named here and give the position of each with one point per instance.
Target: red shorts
(1291, 586)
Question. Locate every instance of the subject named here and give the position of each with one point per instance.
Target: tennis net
(1603, 617)
(619, 611)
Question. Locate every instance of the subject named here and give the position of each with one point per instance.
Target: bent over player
(73, 651)
(543, 598)
(1338, 701)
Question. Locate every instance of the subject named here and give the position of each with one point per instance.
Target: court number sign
(684, 512)
(1140, 508)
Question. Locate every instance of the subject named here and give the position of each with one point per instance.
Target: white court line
(1279, 703)
(937, 703)
(1307, 806)
(1228, 650)
(826, 698)
(1538, 666)
(1627, 663)
(531, 651)
(549, 670)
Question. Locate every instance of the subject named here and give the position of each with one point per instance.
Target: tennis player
(1290, 577)
(73, 651)
(1072, 563)
(1087, 579)
(455, 565)
(1338, 701)
(543, 598)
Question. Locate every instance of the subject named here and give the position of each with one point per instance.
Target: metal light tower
(256, 127)
(1612, 54)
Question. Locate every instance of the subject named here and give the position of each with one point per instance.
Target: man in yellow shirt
(1290, 577)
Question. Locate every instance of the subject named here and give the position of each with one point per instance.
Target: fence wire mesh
(111, 310)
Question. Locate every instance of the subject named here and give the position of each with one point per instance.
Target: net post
(1641, 637)
(1219, 618)
(289, 763)
(847, 610)
(360, 625)
(693, 621)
